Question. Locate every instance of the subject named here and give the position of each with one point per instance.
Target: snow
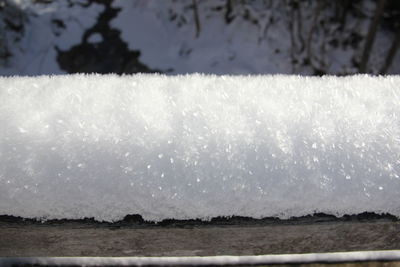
(332, 257)
(198, 146)
(257, 40)
(36, 53)
(95, 38)
(236, 48)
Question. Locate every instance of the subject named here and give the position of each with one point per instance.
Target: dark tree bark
(196, 18)
(312, 30)
(373, 27)
(228, 12)
(391, 54)
(292, 41)
(300, 28)
(343, 16)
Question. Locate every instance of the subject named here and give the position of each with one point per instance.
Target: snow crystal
(95, 38)
(198, 146)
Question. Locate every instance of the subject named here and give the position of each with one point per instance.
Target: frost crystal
(198, 146)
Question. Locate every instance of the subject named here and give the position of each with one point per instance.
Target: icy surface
(198, 146)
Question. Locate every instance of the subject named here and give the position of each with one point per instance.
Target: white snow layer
(198, 146)
(307, 258)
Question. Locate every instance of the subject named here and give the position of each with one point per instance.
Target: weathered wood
(88, 239)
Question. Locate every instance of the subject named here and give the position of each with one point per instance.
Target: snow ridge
(198, 146)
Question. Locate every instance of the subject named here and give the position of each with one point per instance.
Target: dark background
(290, 36)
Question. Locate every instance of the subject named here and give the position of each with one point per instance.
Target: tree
(373, 27)
(196, 18)
(391, 54)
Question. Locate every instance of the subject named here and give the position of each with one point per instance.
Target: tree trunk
(345, 4)
(196, 18)
(312, 30)
(391, 54)
(373, 27)
(228, 12)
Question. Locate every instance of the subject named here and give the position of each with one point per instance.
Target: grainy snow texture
(198, 146)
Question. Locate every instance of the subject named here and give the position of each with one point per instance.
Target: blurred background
(308, 37)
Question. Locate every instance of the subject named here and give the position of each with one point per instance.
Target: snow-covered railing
(198, 146)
